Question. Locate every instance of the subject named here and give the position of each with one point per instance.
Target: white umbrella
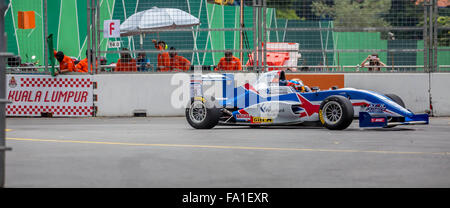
(156, 18)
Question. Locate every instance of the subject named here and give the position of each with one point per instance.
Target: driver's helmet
(297, 84)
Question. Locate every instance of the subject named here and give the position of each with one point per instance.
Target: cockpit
(297, 84)
(278, 79)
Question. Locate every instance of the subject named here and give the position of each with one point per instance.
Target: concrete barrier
(122, 94)
(155, 94)
(411, 87)
(440, 94)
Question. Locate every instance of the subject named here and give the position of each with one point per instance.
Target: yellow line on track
(229, 147)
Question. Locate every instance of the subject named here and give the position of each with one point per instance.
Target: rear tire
(202, 114)
(336, 112)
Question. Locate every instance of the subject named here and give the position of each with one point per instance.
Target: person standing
(163, 64)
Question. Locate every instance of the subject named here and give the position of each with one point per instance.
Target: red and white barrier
(63, 96)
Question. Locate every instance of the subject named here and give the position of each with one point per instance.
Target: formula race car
(273, 100)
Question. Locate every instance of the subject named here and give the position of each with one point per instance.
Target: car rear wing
(216, 85)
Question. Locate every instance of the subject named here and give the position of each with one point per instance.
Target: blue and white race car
(273, 100)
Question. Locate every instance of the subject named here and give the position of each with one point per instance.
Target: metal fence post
(426, 37)
(88, 44)
(435, 35)
(3, 100)
(264, 30)
(260, 13)
(45, 36)
(430, 36)
(2, 88)
(97, 33)
(241, 32)
(93, 33)
(434, 48)
(255, 41)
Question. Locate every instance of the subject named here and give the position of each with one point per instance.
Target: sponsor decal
(245, 117)
(200, 99)
(265, 108)
(12, 82)
(376, 108)
(378, 120)
(257, 120)
(271, 108)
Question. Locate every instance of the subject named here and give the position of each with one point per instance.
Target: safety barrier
(152, 94)
(412, 87)
(122, 95)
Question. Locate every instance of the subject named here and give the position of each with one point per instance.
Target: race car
(273, 101)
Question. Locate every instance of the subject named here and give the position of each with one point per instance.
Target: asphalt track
(167, 152)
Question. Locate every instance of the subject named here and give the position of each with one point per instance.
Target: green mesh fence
(67, 22)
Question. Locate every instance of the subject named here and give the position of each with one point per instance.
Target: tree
(443, 22)
(444, 35)
(405, 13)
(284, 8)
(304, 8)
(354, 13)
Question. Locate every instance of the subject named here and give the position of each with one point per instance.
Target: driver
(298, 85)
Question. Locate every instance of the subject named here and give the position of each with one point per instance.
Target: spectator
(229, 63)
(82, 66)
(143, 63)
(65, 63)
(163, 57)
(126, 63)
(178, 62)
(372, 60)
(304, 65)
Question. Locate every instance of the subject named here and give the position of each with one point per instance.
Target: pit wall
(162, 94)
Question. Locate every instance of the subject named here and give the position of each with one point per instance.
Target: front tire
(396, 99)
(202, 114)
(336, 112)
(399, 101)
